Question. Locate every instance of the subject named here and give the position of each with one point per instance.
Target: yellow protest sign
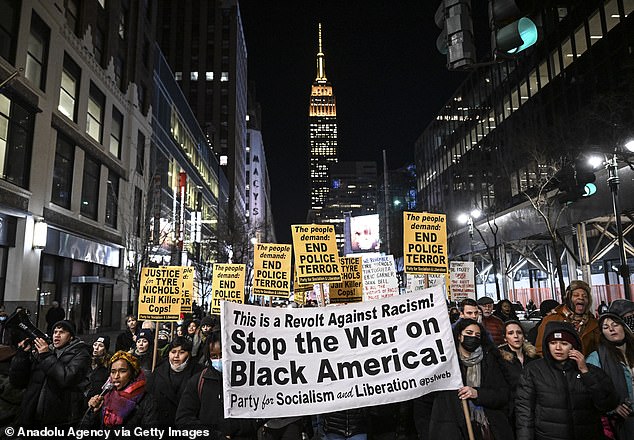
(316, 255)
(299, 291)
(272, 269)
(227, 285)
(186, 281)
(351, 288)
(425, 242)
(163, 291)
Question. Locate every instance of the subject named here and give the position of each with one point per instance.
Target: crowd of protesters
(571, 377)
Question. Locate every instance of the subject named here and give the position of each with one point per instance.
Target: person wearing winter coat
(577, 310)
(615, 356)
(439, 415)
(55, 377)
(201, 405)
(99, 365)
(516, 354)
(128, 404)
(350, 424)
(560, 396)
(126, 340)
(144, 350)
(168, 382)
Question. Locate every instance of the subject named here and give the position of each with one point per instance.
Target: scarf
(180, 367)
(579, 321)
(119, 404)
(473, 379)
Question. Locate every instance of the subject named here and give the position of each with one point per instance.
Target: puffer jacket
(555, 401)
(346, 423)
(55, 383)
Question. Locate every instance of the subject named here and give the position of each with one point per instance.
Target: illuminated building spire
(321, 62)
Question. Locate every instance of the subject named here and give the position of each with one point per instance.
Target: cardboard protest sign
(227, 284)
(316, 254)
(163, 291)
(272, 269)
(379, 277)
(425, 242)
(462, 280)
(294, 362)
(351, 288)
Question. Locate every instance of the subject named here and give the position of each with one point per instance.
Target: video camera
(21, 322)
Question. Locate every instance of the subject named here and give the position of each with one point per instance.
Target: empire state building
(323, 136)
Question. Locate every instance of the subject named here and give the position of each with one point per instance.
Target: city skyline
(390, 81)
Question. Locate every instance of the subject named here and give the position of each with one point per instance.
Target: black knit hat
(146, 333)
(66, 325)
(105, 340)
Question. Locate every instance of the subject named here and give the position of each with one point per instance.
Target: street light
(613, 182)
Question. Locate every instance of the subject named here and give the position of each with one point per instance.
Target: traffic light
(456, 39)
(575, 181)
(513, 29)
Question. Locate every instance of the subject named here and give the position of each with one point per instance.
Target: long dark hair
(613, 349)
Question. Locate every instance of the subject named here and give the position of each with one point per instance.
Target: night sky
(388, 78)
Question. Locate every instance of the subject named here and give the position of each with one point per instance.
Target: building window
(9, 21)
(102, 3)
(94, 121)
(178, 76)
(209, 76)
(71, 12)
(90, 188)
(224, 76)
(138, 211)
(97, 45)
(116, 133)
(16, 139)
(122, 23)
(118, 71)
(111, 199)
(140, 153)
(37, 52)
(69, 88)
(193, 76)
(142, 94)
(63, 172)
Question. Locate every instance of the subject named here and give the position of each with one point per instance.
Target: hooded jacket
(555, 401)
(55, 383)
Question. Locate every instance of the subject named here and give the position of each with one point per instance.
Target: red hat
(562, 335)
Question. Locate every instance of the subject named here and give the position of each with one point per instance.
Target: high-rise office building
(323, 135)
(204, 45)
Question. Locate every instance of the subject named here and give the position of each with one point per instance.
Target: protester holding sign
(168, 382)
(440, 414)
(201, 405)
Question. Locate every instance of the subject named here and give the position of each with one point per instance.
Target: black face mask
(470, 343)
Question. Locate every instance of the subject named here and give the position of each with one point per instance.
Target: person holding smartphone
(561, 396)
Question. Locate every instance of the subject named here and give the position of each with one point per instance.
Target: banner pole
(154, 348)
(467, 417)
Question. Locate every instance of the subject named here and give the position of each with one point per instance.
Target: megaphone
(19, 320)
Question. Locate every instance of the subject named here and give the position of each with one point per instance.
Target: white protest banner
(294, 362)
(462, 280)
(379, 277)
